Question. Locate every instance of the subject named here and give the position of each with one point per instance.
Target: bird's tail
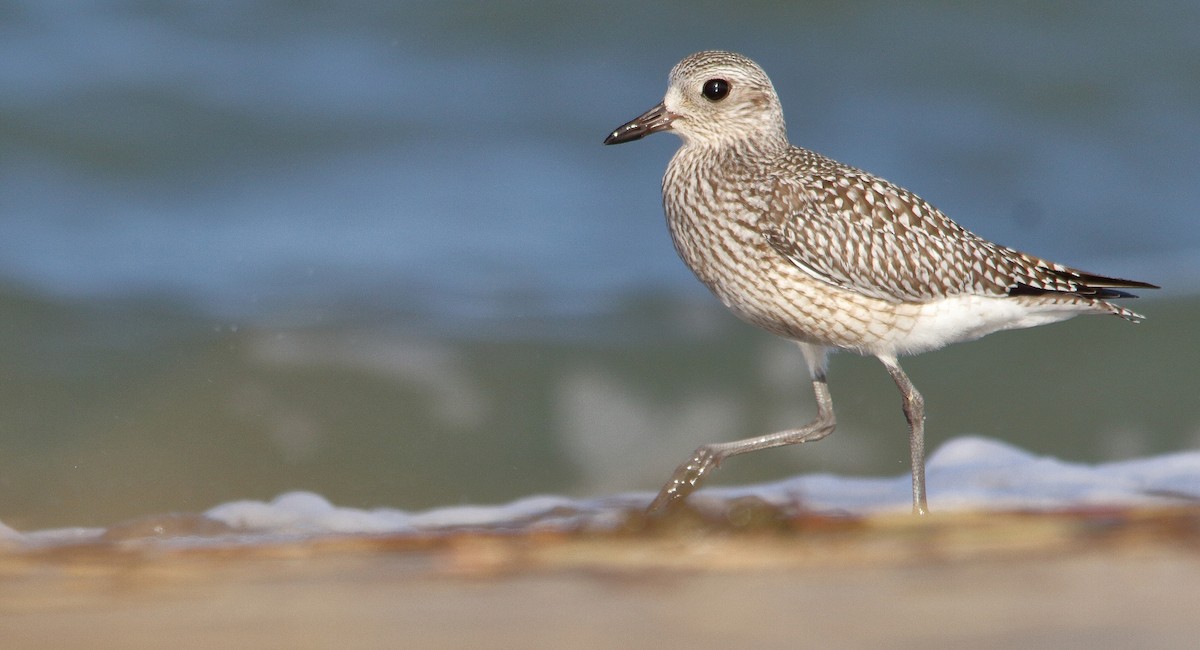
(1096, 290)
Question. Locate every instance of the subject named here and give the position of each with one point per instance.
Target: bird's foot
(685, 480)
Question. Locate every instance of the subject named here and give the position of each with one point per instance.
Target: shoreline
(1082, 578)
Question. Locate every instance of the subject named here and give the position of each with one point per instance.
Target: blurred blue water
(248, 157)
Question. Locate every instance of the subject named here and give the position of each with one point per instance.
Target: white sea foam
(967, 473)
(974, 473)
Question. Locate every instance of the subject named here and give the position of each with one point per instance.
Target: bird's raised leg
(687, 476)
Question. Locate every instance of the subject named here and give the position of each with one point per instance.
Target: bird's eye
(715, 89)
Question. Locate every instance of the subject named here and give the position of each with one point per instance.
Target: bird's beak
(652, 121)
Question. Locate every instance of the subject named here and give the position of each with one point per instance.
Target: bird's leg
(687, 476)
(914, 412)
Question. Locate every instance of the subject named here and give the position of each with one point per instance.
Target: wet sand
(1084, 579)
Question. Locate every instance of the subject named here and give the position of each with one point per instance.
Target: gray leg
(687, 477)
(914, 411)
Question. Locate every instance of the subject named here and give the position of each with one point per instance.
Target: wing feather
(859, 232)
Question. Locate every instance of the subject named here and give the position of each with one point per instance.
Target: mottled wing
(859, 232)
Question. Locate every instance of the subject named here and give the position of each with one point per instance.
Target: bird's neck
(731, 156)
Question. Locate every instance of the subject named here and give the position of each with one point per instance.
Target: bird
(830, 256)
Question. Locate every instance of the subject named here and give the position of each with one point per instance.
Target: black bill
(652, 121)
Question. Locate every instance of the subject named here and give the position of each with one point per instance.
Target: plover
(829, 256)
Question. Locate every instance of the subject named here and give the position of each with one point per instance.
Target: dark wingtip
(1089, 291)
(1111, 294)
(1096, 281)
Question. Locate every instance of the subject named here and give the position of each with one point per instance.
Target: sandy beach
(1115, 578)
